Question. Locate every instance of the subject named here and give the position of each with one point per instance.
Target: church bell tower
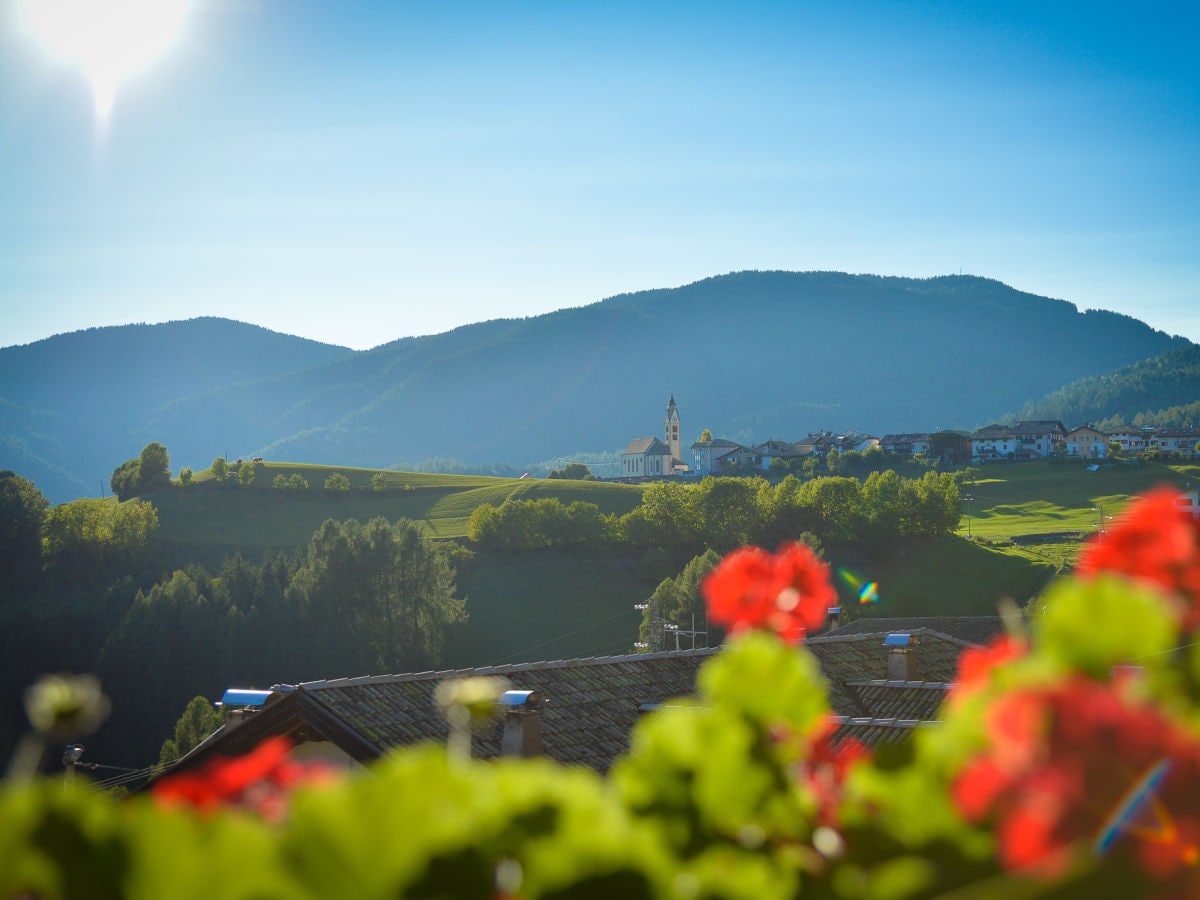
(671, 428)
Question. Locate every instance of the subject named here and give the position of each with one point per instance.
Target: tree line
(83, 589)
(724, 513)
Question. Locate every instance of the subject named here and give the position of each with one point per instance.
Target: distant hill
(751, 356)
(74, 406)
(1163, 390)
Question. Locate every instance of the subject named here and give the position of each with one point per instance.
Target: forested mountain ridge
(750, 355)
(1163, 391)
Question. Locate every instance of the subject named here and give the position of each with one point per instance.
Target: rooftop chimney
(833, 618)
(237, 703)
(522, 723)
(902, 657)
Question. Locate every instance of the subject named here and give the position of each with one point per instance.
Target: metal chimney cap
(834, 611)
(898, 639)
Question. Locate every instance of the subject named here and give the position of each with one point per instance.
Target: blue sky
(358, 172)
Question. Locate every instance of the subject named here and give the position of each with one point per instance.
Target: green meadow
(261, 516)
(1037, 497)
(956, 576)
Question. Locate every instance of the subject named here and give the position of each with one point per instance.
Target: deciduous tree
(246, 473)
(154, 473)
(22, 511)
(337, 483)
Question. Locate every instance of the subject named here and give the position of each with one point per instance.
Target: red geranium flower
(257, 781)
(1079, 767)
(1153, 540)
(788, 592)
(826, 765)
(976, 663)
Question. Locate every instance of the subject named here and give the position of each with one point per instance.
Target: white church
(648, 457)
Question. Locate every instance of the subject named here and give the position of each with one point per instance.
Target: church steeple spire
(671, 427)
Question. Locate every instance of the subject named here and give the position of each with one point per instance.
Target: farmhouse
(1086, 442)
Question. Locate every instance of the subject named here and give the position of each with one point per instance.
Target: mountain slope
(751, 356)
(74, 406)
(1145, 387)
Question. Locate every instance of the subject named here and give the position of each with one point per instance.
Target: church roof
(650, 445)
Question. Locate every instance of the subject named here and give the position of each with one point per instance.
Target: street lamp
(968, 498)
(71, 755)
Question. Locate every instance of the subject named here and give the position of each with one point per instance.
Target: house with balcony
(993, 442)
(1132, 439)
(1177, 441)
(1085, 442)
(1036, 438)
(905, 444)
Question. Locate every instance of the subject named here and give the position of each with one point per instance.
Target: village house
(1037, 439)
(905, 444)
(706, 455)
(1085, 442)
(817, 444)
(1025, 440)
(856, 441)
(1178, 441)
(739, 459)
(993, 442)
(771, 450)
(1132, 439)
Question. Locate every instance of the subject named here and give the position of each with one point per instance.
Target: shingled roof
(593, 703)
(973, 629)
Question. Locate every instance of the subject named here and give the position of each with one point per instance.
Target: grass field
(532, 608)
(1037, 497)
(260, 516)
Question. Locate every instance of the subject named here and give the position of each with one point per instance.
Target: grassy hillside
(260, 516)
(534, 608)
(954, 576)
(1029, 498)
(550, 606)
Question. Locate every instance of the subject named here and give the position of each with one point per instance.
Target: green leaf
(1091, 626)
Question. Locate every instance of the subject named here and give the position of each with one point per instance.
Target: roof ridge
(500, 669)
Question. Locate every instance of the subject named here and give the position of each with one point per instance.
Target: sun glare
(107, 41)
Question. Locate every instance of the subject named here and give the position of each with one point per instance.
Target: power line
(557, 638)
